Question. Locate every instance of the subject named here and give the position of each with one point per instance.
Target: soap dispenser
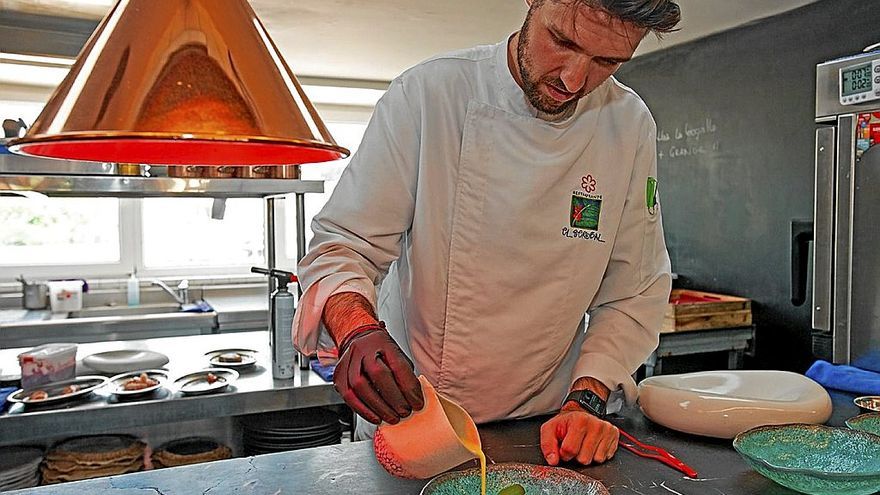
(281, 310)
(134, 290)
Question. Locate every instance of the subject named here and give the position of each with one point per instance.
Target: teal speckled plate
(533, 478)
(814, 459)
(866, 422)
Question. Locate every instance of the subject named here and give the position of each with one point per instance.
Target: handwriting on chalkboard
(687, 140)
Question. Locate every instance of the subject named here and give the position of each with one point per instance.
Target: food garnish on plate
(139, 383)
(38, 395)
(230, 357)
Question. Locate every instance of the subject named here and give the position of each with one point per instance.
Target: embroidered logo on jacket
(585, 213)
(588, 183)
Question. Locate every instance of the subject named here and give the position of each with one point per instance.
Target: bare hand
(577, 434)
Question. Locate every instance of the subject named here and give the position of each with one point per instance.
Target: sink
(105, 323)
(123, 311)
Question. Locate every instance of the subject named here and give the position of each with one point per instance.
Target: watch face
(595, 402)
(589, 401)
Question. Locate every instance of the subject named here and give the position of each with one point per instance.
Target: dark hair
(658, 16)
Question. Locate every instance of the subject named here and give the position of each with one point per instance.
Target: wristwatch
(589, 401)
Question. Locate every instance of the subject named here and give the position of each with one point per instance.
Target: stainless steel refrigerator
(846, 248)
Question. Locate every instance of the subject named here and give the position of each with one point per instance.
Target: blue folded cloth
(197, 307)
(846, 378)
(325, 371)
(4, 393)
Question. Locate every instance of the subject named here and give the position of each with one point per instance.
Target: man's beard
(532, 85)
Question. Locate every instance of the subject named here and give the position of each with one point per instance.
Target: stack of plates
(290, 430)
(346, 420)
(190, 450)
(18, 467)
(81, 458)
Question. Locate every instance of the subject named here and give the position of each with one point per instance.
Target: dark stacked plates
(346, 421)
(18, 467)
(290, 430)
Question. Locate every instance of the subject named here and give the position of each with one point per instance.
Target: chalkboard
(736, 132)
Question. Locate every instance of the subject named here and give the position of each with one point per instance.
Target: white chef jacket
(491, 232)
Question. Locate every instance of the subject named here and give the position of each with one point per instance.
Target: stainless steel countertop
(352, 468)
(255, 391)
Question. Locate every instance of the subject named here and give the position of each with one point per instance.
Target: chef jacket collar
(515, 96)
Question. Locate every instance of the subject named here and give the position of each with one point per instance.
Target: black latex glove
(376, 379)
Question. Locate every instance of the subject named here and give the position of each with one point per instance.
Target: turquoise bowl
(866, 422)
(814, 459)
(533, 478)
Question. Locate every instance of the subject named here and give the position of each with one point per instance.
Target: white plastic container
(65, 296)
(47, 363)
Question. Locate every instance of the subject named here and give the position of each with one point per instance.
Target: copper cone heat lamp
(189, 82)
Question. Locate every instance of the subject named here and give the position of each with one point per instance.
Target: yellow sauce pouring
(478, 451)
(470, 439)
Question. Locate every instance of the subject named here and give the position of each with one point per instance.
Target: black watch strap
(589, 401)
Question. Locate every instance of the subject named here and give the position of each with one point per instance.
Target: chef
(499, 194)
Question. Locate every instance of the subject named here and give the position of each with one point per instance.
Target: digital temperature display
(855, 80)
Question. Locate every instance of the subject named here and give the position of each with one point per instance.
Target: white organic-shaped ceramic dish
(125, 360)
(723, 404)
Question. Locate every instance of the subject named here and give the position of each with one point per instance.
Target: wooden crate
(695, 310)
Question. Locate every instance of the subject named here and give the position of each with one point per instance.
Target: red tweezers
(642, 450)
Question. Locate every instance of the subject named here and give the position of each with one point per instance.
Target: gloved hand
(376, 379)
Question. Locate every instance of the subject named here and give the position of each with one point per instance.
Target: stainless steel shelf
(255, 391)
(154, 187)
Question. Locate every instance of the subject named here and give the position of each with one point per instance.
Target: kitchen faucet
(182, 294)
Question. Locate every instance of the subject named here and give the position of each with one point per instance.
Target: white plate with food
(232, 358)
(125, 360)
(52, 393)
(138, 383)
(205, 381)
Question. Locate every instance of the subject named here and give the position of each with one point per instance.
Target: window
(59, 231)
(180, 233)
